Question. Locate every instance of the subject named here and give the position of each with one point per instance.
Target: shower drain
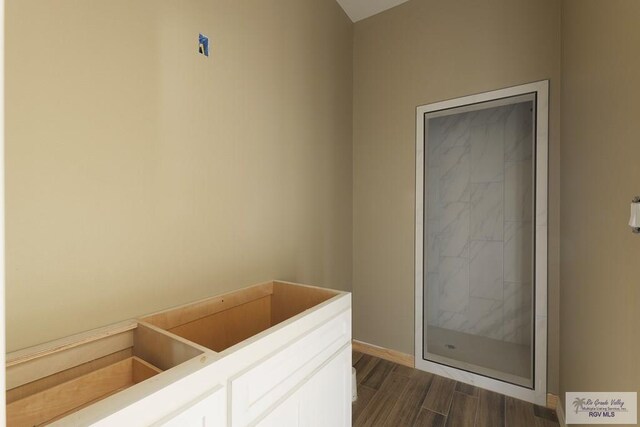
(450, 346)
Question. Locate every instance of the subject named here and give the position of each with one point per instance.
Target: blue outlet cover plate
(203, 45)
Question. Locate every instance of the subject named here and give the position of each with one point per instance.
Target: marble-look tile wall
(479, 237)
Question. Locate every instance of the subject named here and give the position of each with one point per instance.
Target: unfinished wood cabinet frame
(223, 321)
(80, 392)
(115, 362)
(51, 381)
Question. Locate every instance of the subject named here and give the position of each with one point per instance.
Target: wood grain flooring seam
(393, 395)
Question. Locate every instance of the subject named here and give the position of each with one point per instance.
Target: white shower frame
(537, 394)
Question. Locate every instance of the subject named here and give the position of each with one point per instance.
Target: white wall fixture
(481, 240)
(634, 222)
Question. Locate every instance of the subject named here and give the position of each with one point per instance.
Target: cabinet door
(323, 400)
(271, 380)
(285, 415)
(206, 411)
(326, 399)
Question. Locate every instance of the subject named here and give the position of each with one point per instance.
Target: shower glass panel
(479, 197)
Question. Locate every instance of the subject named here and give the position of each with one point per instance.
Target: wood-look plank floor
(394, 395)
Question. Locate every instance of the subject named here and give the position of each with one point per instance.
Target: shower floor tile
(485, 356)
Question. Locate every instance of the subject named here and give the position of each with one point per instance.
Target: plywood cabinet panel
(224, 329)
(275, 354)
(58, 401)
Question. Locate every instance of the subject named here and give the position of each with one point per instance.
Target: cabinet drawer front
(206, 411)
(264, 384)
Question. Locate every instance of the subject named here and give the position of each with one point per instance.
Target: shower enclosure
(481, 240)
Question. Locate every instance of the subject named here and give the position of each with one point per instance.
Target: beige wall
(141, 175)
(600, 299)
(421, 52)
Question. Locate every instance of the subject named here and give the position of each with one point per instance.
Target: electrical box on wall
(203, 45)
